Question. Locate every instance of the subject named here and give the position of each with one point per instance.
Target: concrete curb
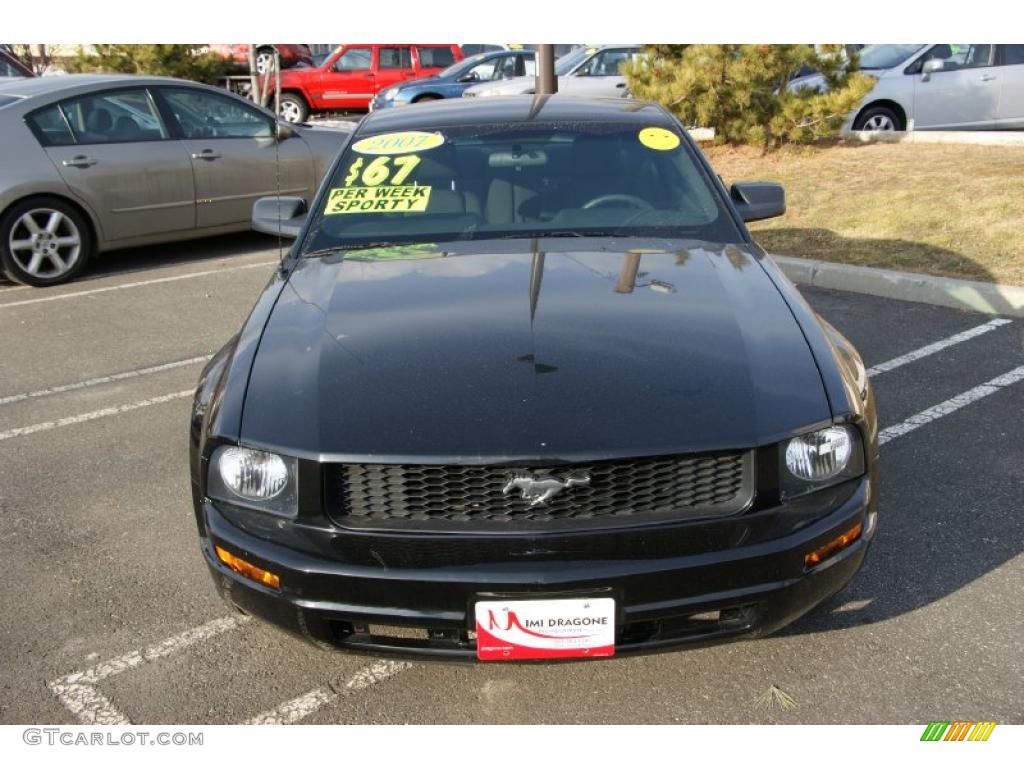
(993, 138)
(970, 295)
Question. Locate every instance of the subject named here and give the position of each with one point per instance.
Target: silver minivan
(939, 86)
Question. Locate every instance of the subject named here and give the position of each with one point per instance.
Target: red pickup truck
(350, 76)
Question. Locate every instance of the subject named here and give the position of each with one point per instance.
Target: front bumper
(678, 595)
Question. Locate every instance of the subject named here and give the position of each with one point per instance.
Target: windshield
(567, 63)
(538, 180)
(886, 56)
(458, 67)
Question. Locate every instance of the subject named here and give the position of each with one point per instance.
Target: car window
(483, 71)
(114, 117)
(435, 56)
(50, 127)
(505, 68)
(394, 57)
(960, 55)
(206, 115)
(352, 60)
(605, 64)
(7, 69)
(529, 66)
(1013, 54)
(535, 180)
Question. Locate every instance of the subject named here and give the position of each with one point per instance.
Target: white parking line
(938, 346)
(949, 406)
(104, 379)
(305, 705)
(112, 411)
(137, 284)
(78, 693)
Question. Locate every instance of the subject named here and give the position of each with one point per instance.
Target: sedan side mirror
(756, 200)
(285, 130)
(469, 77)
(283, 216)
(932, 65)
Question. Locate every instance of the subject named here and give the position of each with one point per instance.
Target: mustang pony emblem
(539, 490)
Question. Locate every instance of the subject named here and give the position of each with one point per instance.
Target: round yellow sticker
(658, 138)
(398, 143)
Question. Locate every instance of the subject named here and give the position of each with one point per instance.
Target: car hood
(523, 349)
(434, 79)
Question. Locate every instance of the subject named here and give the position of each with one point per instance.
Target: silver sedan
(92, 163)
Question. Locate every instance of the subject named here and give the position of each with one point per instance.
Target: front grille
(462, 497)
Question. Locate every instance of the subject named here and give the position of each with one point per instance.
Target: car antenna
(277, 152)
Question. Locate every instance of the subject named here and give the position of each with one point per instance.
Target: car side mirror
(469, 77)
(283, 216)
(932, 65)
(756, 200)
(284, 130)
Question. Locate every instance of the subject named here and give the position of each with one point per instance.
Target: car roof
(515, 109)
(54, 84)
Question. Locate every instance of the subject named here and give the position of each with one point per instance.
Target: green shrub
(170, 60)
(742, 91)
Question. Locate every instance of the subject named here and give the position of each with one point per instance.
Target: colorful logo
(958, 730)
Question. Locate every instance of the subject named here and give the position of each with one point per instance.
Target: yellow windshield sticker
(400, 143)
(387, 199)
(393, 170)
(658, 138)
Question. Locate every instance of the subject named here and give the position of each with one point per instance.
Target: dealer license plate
(513, 630)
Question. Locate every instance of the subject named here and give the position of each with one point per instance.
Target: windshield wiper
(341, 248)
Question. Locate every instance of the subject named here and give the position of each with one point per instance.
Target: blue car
(450, 83)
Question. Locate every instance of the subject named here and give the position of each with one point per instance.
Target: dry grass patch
(942, 209)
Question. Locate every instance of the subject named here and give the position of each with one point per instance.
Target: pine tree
(742, 91)
(166, 59)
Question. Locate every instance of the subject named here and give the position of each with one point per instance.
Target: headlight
(819, 459)
(256, 479)
(390, 93)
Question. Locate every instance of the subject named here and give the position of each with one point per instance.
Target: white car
(590, 71)
(939, 86)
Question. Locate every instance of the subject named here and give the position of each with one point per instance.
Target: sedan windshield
(459, 67)
(568, 63)
(886, 56)
(521, 181)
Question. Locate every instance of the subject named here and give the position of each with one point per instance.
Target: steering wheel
(632, 200)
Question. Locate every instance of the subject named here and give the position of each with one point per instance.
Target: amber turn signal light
(247, 569)
(838, 544)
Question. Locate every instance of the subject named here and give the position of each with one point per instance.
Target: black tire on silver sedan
(44, 241)
(879, 119)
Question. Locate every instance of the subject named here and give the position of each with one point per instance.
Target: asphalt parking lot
(109, 614)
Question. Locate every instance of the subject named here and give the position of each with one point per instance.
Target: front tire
(293, 108)
(879, 119)
(44, 241)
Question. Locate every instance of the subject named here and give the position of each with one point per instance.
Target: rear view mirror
(283, 216)
(756, 200)
(932, 65)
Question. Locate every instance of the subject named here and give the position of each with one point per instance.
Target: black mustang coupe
(525, 388)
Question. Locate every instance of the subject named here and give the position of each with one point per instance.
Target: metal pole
(547, 83)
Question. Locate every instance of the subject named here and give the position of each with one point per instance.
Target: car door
(394, 65)
(350, 81)
(234, 154)
(1010, 112)
(123, 162)
(601, 74)
(963, 94)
